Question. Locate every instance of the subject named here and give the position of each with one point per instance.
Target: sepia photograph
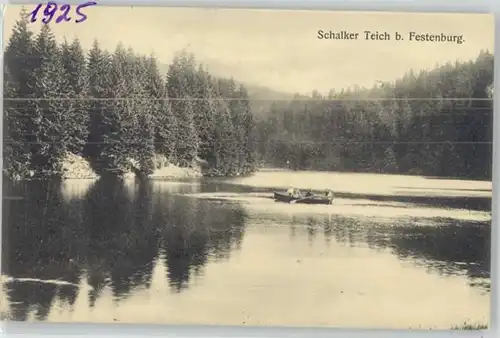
(246, 167)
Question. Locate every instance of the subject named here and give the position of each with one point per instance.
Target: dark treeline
(121, 113)
(117, 110)
(389, 128)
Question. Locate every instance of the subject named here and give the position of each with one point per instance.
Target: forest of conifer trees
(434, 123)
(112, 107)
(117, 110)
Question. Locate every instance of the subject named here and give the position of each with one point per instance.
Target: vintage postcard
(246, 167)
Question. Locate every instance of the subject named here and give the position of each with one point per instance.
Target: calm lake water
(391, 252)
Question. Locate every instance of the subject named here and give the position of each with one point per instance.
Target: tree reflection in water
(112, 235)
(195, 231)
(448, 246)
(39, 241)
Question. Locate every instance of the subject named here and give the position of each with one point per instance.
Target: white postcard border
(33, 330)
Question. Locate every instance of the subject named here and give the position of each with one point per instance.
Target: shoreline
(75, 167)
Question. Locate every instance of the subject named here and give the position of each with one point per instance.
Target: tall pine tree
(53, 107)
(180, 83)
(19, 119)
(163, 120)
(98, 67)
(73, 59)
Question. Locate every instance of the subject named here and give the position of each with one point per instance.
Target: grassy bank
(470, 326)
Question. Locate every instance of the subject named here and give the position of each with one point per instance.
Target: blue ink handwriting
(51, 8)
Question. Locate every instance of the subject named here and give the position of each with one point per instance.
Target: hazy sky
(280, 49)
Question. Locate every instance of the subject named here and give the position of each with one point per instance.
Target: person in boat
(328, 193)
(309, 193)
(292, 192)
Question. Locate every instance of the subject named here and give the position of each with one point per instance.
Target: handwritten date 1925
(51, 10)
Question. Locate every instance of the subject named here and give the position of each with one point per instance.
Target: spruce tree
(205, 116)
(116, 120)
(75, 67)
(98, 67)
(163, 120)
(143, 112)
(19, 121)
(180, 84)
(53, 106)
(224, 140)
(247, 132)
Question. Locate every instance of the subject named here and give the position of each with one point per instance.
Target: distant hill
(261, 97)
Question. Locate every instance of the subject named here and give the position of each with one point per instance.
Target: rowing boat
(302, 199)
(284, 197)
